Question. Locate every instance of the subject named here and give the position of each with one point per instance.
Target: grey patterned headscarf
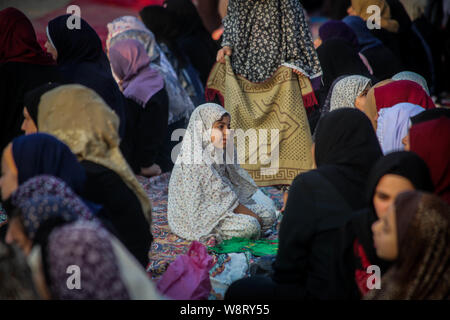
(412, 76)
(346, 90)
(129, 27)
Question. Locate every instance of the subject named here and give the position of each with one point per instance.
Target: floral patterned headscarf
(37, 210)
(202, 190)
(44, 186)
(88, 246)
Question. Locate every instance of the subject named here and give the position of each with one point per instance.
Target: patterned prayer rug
(167, 246)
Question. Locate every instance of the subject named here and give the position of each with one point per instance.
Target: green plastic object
(259, 248)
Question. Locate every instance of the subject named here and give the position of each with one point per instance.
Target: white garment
(393, 124)
(135, 279)
(207, 184)
(235, 269)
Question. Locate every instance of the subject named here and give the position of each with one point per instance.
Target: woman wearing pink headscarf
(147, 109)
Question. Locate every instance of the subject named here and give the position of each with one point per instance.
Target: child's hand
(222, 53)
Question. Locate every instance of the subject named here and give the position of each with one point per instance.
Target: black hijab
(335, 9)
(192, 37)
(431, 114)
(404, 164)
(81, 60)
(346, 149)
(186, 15)
(163, 25)
(41, 153)
(337, 58)
(33, 98)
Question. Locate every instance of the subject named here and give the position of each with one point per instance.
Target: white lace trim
(289, 65)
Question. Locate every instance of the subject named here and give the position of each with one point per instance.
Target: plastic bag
(187, 278)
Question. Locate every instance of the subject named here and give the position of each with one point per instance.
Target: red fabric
(402, 91)
(309, 101)
(136, 4)
(361, 275)
(431, 141)
(211, 94)
(18, 39)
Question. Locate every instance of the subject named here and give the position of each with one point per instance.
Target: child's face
(220, 132)
(361, 100)
(385, 236)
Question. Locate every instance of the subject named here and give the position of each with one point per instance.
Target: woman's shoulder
(95, 171)
(23, 69)
(311, 177)
(101, 179)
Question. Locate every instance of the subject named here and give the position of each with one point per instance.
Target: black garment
(405, 44)
(433, 37)
(429, 115)
(165, 158)
(337, 58)
(261, 288)
(81, 60)
(162, 24)
(346, 149)
(17, 78)
(384, 63)
(335, 9)
(390, 40)
(146, 130)
(123, 209)
(33, 98)
(192, 37)
(346, 262)
(320, 202)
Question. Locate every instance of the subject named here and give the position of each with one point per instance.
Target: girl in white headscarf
(209, 193)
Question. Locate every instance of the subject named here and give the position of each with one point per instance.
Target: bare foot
(153, 170)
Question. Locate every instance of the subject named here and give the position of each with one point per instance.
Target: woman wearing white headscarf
(209, 193)
(393, 125)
